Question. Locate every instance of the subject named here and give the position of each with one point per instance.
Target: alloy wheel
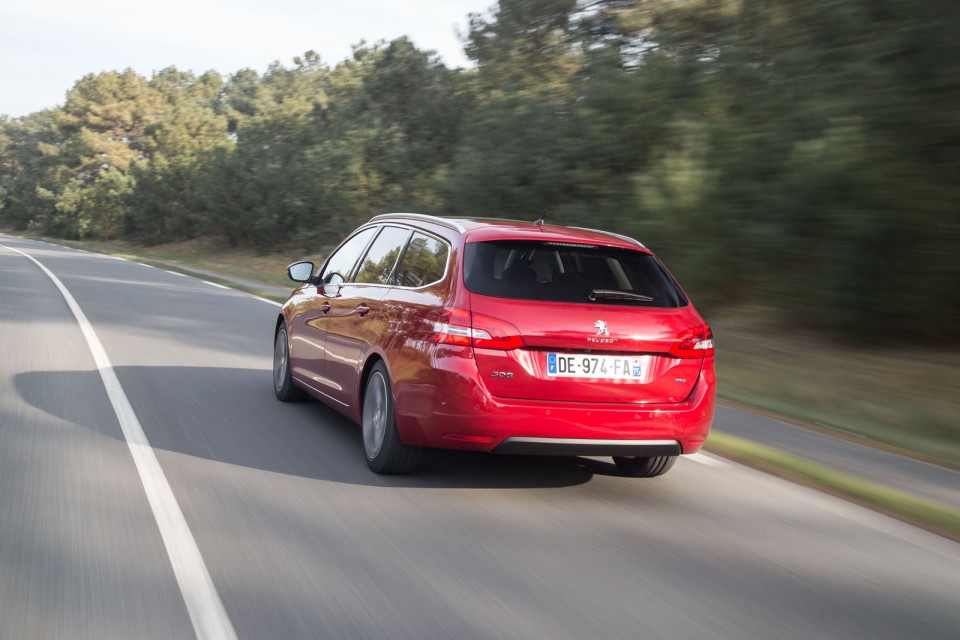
(375, 411)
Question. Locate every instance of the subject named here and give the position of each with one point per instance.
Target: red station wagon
(500, 336)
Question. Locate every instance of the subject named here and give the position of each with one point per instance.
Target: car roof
(478, 229)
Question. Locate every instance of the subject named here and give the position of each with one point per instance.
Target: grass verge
(903, 398)
(928, 515)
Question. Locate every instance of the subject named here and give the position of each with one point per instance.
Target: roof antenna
(539, 221)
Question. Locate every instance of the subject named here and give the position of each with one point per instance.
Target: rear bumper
(467, 417)
(588, 447)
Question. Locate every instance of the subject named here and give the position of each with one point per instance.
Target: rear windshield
(569, 272)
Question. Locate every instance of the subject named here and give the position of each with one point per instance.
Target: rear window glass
(424, 262)
(569, 272)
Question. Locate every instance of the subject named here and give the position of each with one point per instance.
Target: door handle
(325, 308)
(363, 309)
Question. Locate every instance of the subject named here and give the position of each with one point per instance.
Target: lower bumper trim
(588, 447)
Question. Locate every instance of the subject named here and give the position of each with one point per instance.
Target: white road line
(273, 302)
(214, 284)
(182, 275)
(704, 459)
(204, 605)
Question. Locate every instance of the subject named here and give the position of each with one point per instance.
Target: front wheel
(384, 450)
(644, 467)
(282, 380)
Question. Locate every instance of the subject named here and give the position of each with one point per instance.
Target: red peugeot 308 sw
(501, 336)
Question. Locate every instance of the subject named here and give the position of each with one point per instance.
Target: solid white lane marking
(174, 273)
(273, 302)
(204, 605)
(704, 459)
(214, 284)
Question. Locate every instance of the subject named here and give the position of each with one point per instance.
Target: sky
(47, 45)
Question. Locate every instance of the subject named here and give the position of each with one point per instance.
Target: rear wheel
(644, 467)
(384, 450)
(282, 380)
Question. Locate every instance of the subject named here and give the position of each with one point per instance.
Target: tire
(644, 467)
(282, 379)
(384, 450)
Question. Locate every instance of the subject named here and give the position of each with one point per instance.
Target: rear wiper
(613, 294)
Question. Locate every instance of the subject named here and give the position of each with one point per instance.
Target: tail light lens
(479, 331)
(694, 343)
(493, 333)
(455, 330)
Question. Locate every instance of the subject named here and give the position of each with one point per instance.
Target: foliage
(803, 154)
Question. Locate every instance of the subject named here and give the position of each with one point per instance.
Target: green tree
(799, 154)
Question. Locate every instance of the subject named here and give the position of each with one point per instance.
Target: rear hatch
(582, 323)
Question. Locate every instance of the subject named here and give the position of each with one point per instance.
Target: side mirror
(301, 272)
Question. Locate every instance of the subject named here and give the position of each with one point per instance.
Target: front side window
(569, 272)
(340, 264)
(423, 263)
(377, 265)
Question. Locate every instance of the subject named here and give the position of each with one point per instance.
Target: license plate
(564, 365)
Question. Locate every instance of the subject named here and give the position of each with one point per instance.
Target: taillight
(493, 333)
(694, 343)
(485, 332)
(456, 329)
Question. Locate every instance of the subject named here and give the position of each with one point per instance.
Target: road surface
(151, 486)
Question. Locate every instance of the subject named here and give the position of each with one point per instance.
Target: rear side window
(423, 263)
(569, 272)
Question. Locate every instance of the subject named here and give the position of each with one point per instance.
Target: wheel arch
(372, 359)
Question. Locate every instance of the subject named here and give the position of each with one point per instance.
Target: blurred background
(795, 164)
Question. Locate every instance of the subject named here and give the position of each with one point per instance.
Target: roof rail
(615, 235)
(420, 216)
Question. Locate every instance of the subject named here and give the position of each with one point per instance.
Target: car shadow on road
(230, 415)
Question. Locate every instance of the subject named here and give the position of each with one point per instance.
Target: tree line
(801, 154)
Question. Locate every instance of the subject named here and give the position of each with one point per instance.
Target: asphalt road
(298, 539)
(909, 475)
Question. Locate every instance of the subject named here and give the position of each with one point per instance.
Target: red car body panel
(464, 397)
(560, 327)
